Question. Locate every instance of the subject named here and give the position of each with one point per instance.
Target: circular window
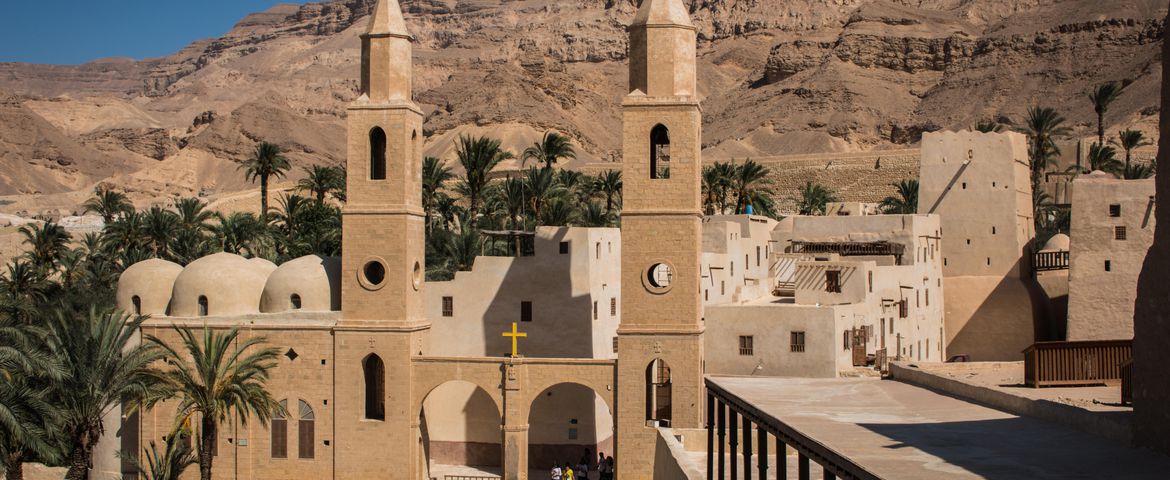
(417, 275)
(659, 277)
(373, 274)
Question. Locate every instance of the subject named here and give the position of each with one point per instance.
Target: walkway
(887, 429)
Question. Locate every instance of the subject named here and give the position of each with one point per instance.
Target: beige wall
(979, 184)
(562, 288)
(735, 258)
(826, 316)
(1101, 303)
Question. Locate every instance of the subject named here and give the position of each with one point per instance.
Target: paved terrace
(888, 429)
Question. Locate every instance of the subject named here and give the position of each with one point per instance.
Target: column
(515, 428)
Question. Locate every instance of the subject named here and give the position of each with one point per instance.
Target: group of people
(580, 471)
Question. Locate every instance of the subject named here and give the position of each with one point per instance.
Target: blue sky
(77, 31)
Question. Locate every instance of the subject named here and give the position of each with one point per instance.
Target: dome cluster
(225, 284)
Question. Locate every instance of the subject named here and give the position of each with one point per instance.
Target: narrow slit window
(659, 153)
(377, 154)
(525, 311)
(203, 308)
(448, 306)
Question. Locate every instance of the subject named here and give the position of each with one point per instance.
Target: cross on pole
(515, 334)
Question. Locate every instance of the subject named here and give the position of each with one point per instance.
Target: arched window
(658, 392)
(305, 432)
(137, 304)
(375, 377)
(203, 306)
(377, 154)
(659, 152)
(278, 426)
(295, 300)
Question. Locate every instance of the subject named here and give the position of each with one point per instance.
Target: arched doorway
(564, 421)
(658, 392)
(460, 427)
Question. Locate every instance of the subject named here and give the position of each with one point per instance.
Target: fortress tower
(660, 338)
(382, 321)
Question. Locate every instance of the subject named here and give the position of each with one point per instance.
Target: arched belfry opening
(659, 152)
(377, 154)
(658, 392)
(374, 373)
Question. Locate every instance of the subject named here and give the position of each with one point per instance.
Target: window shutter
(279, 438)
(305, 440)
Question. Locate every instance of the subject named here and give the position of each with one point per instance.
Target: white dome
(220, 284)
(313, 282)
(1058, 243)
(145, 287)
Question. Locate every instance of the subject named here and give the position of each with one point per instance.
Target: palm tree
(435, 175)
(26, 425)
(169, 464)
(192, 214)
(241, 233)
(320, 180)
(724, 173)
(1042, 126)
(102, 369)
(214, 381)
(549, 149)
(266, 162)
(814, 199)
(46, 243)
(540, 187)
(906, 201)
(26, 414)
(478, 157)
(108, 204)
(750, 181)
(160, 227)
(510, 196)
(125, 233)
(988, 126)
(22, 288)
(1139, 171)
(1103, 158)
(1129, 140)
(609, 183)
(1102, 97)
(557, 213)
(594, 215)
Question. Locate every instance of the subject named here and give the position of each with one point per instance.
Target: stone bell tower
(660, 339)
(382, 322)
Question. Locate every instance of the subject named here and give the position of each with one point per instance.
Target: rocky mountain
(777, 77)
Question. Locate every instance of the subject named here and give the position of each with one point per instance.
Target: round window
(659, 277)
(417, 275)
(373, 274)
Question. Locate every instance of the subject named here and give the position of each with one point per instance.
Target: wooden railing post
(747, 449)
(734, 424)
(722, 436)
(710, 436)
(763, 437)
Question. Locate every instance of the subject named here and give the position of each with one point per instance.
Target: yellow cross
(515, 335)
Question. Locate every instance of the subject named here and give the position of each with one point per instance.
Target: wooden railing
(469, 477)
(1049, 261)
(1075, 363)
(727, 414)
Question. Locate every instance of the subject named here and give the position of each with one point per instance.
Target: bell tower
(382, 321)
(660, 339)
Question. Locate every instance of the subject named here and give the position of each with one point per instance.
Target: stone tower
(979, 184)
(660, 339)
(382, 321)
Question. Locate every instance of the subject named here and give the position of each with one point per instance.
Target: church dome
(145, 287)
(311, 283)
(1058, 243)
(220, 284)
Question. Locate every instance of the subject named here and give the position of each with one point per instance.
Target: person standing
(555, 474)
(567, 472)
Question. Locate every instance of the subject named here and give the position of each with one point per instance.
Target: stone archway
(565, 419)
(459, 425)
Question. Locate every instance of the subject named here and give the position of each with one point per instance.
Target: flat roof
(896, 430)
